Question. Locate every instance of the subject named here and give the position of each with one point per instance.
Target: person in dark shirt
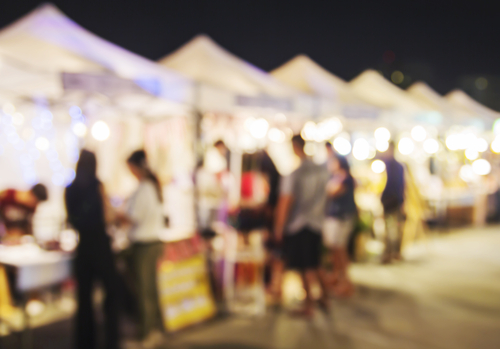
(341, 216)
(393, 198)
(85, 208)
(275, 265)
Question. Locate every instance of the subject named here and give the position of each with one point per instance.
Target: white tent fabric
(462, 100)
(334, 93)
(37, 48)
(373, 88)
(398, 110)
(222, 76)
(302, 73)
(204, 60)
(430, 99)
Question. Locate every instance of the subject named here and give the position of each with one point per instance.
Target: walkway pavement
(446, 295)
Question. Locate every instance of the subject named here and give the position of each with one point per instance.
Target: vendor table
(33, 269)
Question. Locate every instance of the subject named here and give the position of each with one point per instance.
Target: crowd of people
(306, 212)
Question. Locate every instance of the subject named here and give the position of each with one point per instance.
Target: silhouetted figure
(393, 198)
(94, 259)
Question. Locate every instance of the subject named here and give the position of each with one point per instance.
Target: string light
(100, 131)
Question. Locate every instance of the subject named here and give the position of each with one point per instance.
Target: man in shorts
(299, 220)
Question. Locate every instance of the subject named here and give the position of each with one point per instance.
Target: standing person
(299, 221)
(393, 198)
(268, 168)
(85, 208)
(145, 214)
(16, 211)
(341, 218)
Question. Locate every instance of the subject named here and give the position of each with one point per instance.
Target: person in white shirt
(145, 215)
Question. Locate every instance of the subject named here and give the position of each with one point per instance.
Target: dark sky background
(448, 44)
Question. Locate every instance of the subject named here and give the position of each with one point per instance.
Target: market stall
(63, 88)
(93, 93)
(249, 110)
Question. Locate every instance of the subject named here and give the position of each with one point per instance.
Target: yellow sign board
(184, 291)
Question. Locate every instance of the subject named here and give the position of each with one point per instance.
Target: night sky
(448, 44)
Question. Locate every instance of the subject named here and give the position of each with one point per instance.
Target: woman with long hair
(85, 206)
(341, 217)
(145, 215)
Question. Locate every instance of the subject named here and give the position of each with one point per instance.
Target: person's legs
(156, 312)
(277, 269)
(110, 279)
(85, 326)
(308, 278)
(139, 256)
(391, 232)
(399, 235)
(145, 258)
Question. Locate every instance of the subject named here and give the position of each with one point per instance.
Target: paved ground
(446, 295)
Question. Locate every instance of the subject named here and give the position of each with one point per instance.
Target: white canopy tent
(335, 94)
(36, 49)
(373, 88)
(231, 90)
(302, 73)
(461, 99)
(228, 83)
(54, 76)
(430, 99)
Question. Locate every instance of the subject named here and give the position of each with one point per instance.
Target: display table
(30, 269)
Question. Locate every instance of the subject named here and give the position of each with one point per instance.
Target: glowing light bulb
(496, 127)
(18, 119)
(466, 173)
(342, 146)
(327, 129)
(481, 167)
(79, 129)
(481, 145)
(471, 154)
(431, 146)
(378, 166)
(382, 134)
(406, 146)
(495, 145)
(42, 143)
(382, 145)
(418, 133)
(310, 148)
(276, 135)
(100, 131)
(248, 123)
(309, 131)
(259, 127)
(361, 149)
(453, 142)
